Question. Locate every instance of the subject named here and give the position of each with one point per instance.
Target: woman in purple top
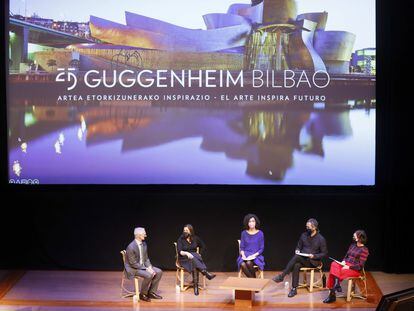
(251, 246)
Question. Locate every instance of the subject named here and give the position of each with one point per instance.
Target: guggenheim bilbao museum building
(265, 35)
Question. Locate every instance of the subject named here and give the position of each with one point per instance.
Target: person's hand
(297, 251)
(311, 256)
(190, 256)
(345, 267)
(343, 262)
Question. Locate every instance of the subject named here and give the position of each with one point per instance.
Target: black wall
(86, 227)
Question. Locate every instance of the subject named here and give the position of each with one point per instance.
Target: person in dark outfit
(189, 258)
(351, 265)
(310, 242)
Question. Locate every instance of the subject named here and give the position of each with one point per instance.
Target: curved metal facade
(320, 18)
(305, 45)
(302, 54)
(220, 20)
(253, 13)
(335, 48)
(279, 11)
(167, 37)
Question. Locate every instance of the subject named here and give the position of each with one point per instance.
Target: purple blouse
(250, 244)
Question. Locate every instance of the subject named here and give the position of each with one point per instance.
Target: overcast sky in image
(356, 16)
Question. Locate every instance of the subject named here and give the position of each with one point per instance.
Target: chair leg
(305, 279)
(312, 278)
(320, 281)
(125, 293)
(182, 280)
(362, 289)
(177, 277)
(136, 287)
(122, 287)
(349, 292)
(365, 289)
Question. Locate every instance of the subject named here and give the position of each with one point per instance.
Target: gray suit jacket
(132, 260)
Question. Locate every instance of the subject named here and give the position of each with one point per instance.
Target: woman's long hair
(191, 229)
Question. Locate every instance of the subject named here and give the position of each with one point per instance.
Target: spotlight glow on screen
(192, 92)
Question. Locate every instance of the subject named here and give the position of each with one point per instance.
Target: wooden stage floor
(89, 290)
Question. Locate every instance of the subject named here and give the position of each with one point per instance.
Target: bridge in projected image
(22, 33)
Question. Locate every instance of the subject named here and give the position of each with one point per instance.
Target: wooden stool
(125, 293)
(363, 290)
(312, 283)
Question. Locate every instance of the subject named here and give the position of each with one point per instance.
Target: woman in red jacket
(350, 266)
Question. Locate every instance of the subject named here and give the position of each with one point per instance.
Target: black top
(315, 245)
(184, 245)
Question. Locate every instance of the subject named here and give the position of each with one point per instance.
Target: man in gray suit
(137, 263)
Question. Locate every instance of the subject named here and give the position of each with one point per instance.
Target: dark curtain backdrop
(86, 227)
(86, 230)
(68, 229)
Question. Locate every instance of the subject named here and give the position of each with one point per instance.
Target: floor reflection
(106, 143)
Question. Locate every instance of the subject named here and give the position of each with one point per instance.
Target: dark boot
(144, 297)
(195, 281)
(293, 292)
(337, 286)
(279, 278)
(208, 275)
(331, 298)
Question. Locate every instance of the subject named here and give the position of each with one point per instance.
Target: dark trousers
(150, 282)
(294, 266)
(193, 265)
(196, 263)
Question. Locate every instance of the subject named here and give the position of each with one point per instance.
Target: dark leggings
(248, 268)
(294, 266)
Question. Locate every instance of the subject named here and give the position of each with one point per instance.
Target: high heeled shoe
(208, 275)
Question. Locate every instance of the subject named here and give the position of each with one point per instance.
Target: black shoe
(195, 281)
(208, 275)
(278, 278)
(338, 288)
(337, 285)
(293, 292)
(144, 297)
(331, 298)
(154, 296)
